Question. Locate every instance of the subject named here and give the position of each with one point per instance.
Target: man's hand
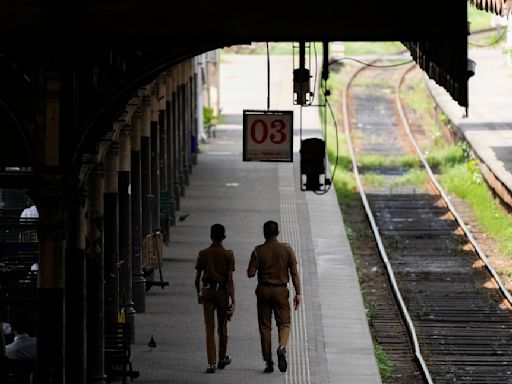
(230, 311)
(296, 302)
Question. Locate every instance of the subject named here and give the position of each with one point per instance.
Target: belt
(273, 285)
(214, 285)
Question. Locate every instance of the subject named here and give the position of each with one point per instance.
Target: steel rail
(378, 239)
(440, 190)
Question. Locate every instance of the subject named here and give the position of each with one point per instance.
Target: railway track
(448, 298)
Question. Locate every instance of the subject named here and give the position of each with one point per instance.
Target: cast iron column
(145, 164)
(164, 181)
(75, 290)
(181, 129)
(175, 127)
(94, 275)
(155, 165)
(138, 282)
(195, 111)
(111, 233)
(125, 228)
(170, 143)
(184, 127)
(50, 201)
(145, 159)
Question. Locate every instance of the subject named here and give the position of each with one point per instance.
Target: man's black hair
(270, 229)
(217, 232)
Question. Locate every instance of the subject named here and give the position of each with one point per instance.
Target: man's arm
(253, 265)
(198, 281)
(296, 284)
(231, 289)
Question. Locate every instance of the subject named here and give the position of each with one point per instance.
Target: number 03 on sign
(268, 135)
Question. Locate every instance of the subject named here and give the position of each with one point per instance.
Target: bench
(118, 355)
(16, 371)
(152, 259)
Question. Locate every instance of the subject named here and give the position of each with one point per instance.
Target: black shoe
(269, 368)
(211, 368)
(281, 359)
(223, 362)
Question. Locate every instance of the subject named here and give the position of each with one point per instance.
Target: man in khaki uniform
(275, 262)
(216, 265)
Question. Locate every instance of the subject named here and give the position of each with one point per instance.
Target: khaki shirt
(216, 262)
(273, 261)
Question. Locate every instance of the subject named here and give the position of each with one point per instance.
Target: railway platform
(330, 341)
(488, 125)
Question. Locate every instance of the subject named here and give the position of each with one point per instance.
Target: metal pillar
(145, 163)
(94, 275)
(50, 202)
(138, 281)
(164, 174)
(75, 282)
(195, 112)
(155, 166)
(125, 229)
(111, 233)
(170, 147)
(181, 130)
(165, 214)
(191, 117)
(184, 128)
(175, 127)
(145, 159)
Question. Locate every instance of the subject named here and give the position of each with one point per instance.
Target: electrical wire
(268, 77)
(371, 65)
(315, 77)
(323, 87)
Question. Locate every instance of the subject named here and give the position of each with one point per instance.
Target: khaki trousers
(273, 300)
(215, 300)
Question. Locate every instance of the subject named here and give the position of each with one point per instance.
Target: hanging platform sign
(268, 135)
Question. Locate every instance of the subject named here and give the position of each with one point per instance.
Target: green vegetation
(479, 19)
(445, 156)
(466, 182)
(376, 161)
(351, 48)
(359, 48)
(209, 116)
(374, 179)
(385, 364)
(505, 271)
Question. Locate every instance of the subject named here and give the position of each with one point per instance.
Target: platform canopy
(499, 7)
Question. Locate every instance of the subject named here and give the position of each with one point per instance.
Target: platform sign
(268, 135)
